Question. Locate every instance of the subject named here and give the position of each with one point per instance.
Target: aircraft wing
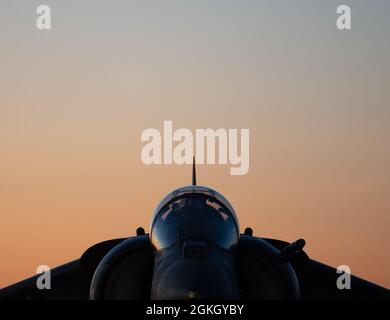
(125, 268)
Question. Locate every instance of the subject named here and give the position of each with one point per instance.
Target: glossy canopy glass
(194, 212)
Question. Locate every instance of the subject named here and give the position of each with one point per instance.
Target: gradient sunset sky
(75, 100)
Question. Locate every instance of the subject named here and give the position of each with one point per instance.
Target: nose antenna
(193, 172)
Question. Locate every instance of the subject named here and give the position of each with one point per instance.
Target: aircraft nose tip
(194, 279)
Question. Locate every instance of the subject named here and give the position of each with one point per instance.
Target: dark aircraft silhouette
(194, 251)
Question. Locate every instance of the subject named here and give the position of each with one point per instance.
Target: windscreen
(195, 216)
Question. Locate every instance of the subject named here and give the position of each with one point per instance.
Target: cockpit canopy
(194, 212)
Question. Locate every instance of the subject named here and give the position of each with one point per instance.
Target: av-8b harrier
(194, 251)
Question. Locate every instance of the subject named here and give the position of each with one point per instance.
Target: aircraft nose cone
(194, 278)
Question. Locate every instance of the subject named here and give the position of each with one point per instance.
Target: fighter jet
(194, 250)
